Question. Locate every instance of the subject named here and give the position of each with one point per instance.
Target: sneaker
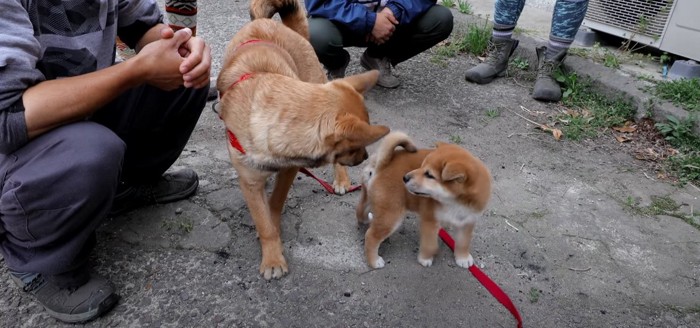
(72, 305)
(170, 187)
(339, 73)
(384, 66)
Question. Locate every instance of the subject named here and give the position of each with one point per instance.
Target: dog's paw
(378, 264)
(425, 262)
(341, 187)
(465, 262)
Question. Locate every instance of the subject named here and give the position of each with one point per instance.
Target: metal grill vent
(641, 17)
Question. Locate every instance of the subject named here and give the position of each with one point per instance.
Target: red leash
(484, 279)
(491, 286)
(325, 184)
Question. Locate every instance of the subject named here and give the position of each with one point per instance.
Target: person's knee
(444, 21)
(324, 36)
(99, 155)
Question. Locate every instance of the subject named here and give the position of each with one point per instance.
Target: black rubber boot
(496, 62)
(546, 86)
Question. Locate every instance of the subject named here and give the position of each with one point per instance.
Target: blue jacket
(359, 15)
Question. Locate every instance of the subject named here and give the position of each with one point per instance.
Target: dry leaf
(622, 139)
(481, 58)
(628, 127)
(555, 132)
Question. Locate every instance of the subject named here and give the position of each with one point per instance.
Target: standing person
(566, 20)
(82, 138)
(391, 30)
(180, 14)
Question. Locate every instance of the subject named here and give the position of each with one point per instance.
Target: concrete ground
(559, 236)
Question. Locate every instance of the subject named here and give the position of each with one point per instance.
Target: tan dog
(284, 114)
(446, 185)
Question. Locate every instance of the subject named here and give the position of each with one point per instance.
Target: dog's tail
(385, 152)
(292, 13)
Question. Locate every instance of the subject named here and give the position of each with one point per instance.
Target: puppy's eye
(428, 175)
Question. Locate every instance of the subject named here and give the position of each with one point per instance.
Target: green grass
(611, 60)
(492, 113)
(534, 295)
(455, 139)
(520, 63)
(591, 113)
(475, 41)
(464, 7)
(683, 92)
(182, 225)
(679, 133)
(663, 205)
(448, 3)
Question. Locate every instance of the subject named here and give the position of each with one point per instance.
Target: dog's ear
(454, 171)
(349, 127)
(363, 82)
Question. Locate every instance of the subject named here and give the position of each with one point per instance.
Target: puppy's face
(449, 174)
(353, 133)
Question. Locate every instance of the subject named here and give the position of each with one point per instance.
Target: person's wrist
(134, 72)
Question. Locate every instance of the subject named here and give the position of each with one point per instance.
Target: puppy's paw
(273, 269)
(425, 262)
(378, 264)
(465, 262)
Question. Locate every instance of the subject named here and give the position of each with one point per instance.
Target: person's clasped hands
(384, 27)
(176, 59)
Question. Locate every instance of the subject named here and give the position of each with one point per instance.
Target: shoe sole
(486, 80)
(106, 305)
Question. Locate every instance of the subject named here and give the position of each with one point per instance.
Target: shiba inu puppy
(445, 186)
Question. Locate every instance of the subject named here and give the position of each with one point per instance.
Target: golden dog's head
(353, 132)
(450, 174)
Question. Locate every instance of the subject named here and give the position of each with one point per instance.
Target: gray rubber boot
(546, 86)
(496, 62)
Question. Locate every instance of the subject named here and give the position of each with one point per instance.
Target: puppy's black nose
(406, 178)
(366, 156)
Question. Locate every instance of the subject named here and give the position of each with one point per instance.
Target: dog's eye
(428, 175)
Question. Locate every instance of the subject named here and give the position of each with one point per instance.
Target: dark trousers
(329, 38)
(59, 187)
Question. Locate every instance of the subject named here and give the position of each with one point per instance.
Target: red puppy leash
(484, 279)
(491, 286)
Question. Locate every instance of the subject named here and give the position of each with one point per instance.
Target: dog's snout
(406, 178)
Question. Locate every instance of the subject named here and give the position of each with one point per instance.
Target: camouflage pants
(566, 18)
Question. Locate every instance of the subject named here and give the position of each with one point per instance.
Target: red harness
(232, 137)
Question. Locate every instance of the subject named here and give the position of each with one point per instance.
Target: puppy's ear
(363, 82)
(456, 172)
(349, 127)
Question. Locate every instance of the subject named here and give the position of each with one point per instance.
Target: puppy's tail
(292, 12)
(385, 152)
